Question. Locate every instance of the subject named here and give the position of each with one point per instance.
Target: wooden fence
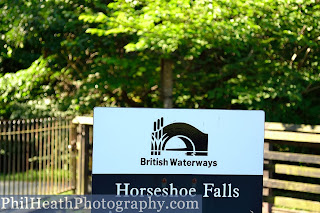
(84, 140)
(292, 168)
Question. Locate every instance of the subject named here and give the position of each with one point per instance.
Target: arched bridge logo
(164, 138)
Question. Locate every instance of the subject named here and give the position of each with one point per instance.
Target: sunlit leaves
(244, 54)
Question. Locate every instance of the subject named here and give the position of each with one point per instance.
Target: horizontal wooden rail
(292, 136)
(297, 170)
(268, 125)
(291, 186)
(287, 202)
(83, 120)
(292, 127)
(286, 210)
(291, 157)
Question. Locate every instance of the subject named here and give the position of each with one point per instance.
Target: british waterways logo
(181, 137)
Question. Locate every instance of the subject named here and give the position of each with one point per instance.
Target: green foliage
(227, 54)
(240, 54)
(166, 27)
(80, 71)
(19, 91)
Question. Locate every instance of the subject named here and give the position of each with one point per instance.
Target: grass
(33, 175)
(70, 192)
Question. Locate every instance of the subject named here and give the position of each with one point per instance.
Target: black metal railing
(36, 156)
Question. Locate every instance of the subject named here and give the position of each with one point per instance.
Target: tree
(243, 54)
(80, 70)
(167, 27)
(230, 55)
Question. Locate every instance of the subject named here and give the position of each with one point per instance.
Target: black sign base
(220, 193)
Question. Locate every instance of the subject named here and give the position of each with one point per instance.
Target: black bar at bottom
(226, 193)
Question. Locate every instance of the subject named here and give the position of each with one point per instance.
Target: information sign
(214, 154)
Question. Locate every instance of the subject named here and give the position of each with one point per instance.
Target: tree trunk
(166, 82)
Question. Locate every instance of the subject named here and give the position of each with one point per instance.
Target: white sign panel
(123, 141)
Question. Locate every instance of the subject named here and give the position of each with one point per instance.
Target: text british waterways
(176, 162)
